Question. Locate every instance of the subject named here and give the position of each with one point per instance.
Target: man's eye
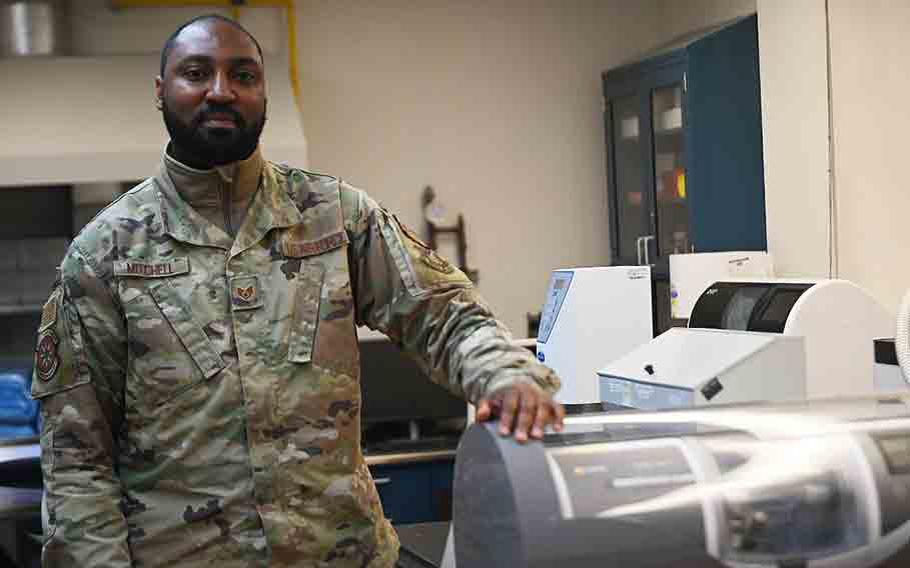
(245, 76)
(194, 74)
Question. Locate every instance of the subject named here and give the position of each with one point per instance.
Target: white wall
(495, 103)
(794, 95)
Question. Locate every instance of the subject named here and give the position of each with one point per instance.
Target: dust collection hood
(81, 119)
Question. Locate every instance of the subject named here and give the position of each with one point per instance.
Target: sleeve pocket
(307, 294)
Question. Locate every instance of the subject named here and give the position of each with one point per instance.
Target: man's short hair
(169, 44)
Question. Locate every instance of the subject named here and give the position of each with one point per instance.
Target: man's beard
(214, 146)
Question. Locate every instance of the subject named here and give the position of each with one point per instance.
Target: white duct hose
(902, 337)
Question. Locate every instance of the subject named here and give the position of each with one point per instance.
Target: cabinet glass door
(671, 205)
(629, 140)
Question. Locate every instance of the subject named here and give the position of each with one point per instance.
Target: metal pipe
(33, 27)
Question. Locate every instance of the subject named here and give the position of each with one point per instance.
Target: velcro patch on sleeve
(152, 269)
(49, 311)
(429, 268)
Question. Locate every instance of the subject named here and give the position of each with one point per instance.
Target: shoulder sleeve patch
(59, 346)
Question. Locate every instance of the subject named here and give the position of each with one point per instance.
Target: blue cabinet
(684, 149)
(417, 492)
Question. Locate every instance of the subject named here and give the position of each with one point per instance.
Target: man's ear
(159, 93)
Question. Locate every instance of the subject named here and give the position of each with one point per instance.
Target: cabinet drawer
(416, 492)
(404, 491)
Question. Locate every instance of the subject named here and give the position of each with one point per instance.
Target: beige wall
(868, 86)
(91, 116)
(98, 30)
(678, 17)
(870, 82)
(495, 103)
(794, 94)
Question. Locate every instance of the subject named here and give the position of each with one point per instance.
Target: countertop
(32, 452)
(408, 457)
(422, 544)
(411, 451)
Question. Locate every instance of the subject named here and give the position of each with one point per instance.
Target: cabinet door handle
(638, 242)
(647, 240)
(382, 480)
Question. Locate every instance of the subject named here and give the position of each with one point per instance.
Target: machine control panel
(556, 293)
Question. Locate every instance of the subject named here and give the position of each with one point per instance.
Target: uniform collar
(182, 187)
(272, 208)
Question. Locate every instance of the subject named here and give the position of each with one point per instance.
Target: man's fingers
(544, 413)
(507, 412)
(484, 410)
(560, 415)
(523, 410)
(527, 409)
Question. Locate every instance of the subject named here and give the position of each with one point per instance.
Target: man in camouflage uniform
(197, 361)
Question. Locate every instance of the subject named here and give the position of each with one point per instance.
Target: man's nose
(221, 90)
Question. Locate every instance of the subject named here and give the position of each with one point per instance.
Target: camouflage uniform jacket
(200, 393)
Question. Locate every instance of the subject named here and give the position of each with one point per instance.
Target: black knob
(649, 369)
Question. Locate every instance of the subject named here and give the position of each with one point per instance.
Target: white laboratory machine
(892, 355)
(693, 367)
(691, 274)
(751, 340)
(591, 316)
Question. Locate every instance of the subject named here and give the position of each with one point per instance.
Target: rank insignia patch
(47, 358)
(245, 292)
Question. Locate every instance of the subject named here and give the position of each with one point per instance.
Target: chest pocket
(169, 351)
(179, 316)
(320, 290)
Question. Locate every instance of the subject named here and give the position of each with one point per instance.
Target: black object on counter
(885, 352)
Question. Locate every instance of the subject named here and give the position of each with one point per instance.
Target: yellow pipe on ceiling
(169, 3)
(290, 17)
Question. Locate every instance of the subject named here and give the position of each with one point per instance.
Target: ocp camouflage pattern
(205, 407)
